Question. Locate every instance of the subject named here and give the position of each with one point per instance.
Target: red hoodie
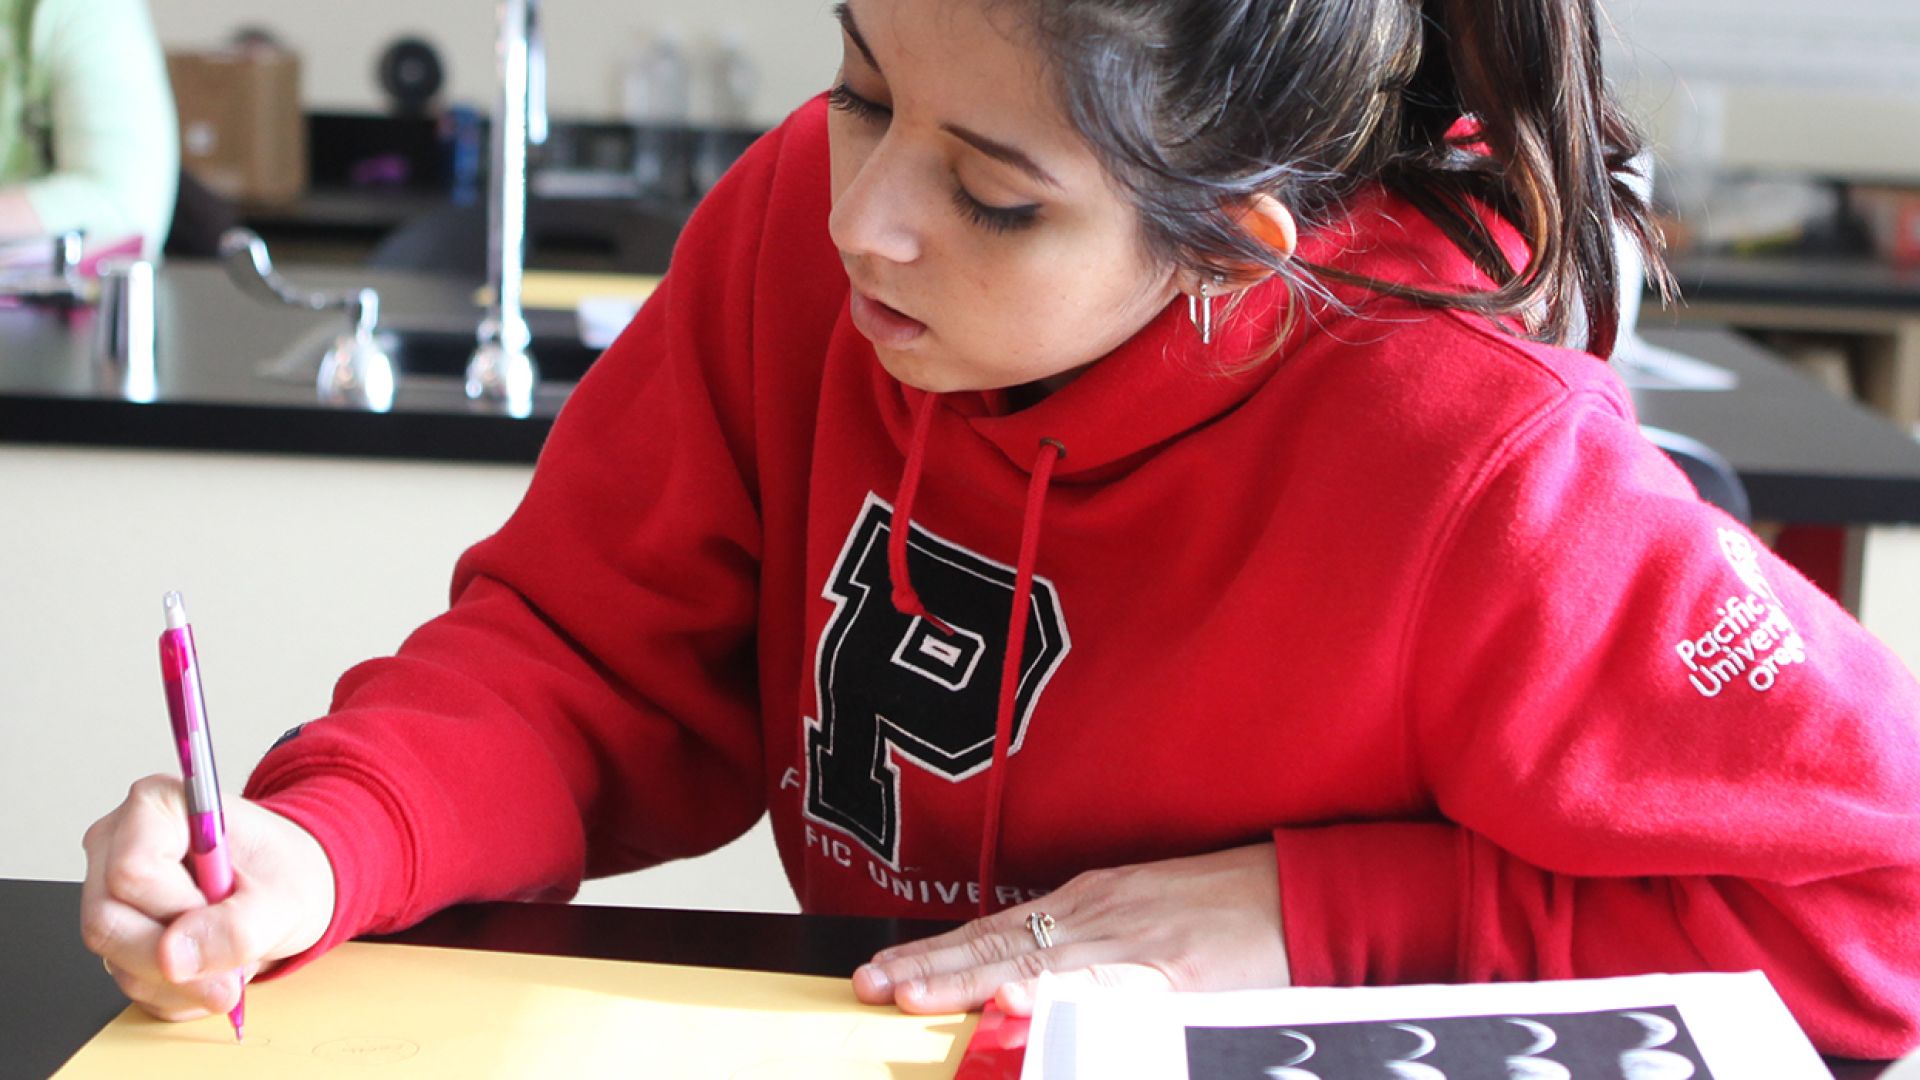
(1413, 598)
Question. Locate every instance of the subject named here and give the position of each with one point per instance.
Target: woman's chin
(914, 368)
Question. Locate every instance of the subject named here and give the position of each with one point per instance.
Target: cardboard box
(242, 132)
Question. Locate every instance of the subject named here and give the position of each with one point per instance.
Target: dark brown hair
(1194, 105)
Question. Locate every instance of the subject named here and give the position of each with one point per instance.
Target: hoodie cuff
(362, 833)
(1372, 904)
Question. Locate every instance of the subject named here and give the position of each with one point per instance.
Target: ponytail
(1550, 152)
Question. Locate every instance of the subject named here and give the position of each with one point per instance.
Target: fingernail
(1016, 999)
(186, 958)
(225, 994)
(877, 978)
(913, 988)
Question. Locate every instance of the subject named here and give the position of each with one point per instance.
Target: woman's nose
(878, 213)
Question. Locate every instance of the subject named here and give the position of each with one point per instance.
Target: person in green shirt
(88, 136)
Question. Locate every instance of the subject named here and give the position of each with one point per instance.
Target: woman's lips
(882, 324)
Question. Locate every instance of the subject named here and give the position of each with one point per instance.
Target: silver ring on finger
(1040, 925)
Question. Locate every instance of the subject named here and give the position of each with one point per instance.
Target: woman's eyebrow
(1000, 151)
(845, 14)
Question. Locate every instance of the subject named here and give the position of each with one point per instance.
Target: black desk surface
(211, 343)
(1805, 455)
(57, 996)
(1833, 281)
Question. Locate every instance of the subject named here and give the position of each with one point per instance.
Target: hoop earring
(1200, 309)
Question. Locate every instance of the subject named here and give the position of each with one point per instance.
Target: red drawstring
(1050, 453)
(905, 600)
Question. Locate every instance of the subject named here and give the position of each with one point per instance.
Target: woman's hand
(173, 954)
(1208, 922)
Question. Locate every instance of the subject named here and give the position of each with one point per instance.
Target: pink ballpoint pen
(207, 857)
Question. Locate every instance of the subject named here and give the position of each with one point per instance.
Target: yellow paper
(563, 290)
(406, 1010)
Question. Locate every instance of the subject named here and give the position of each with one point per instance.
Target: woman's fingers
(126, 938)
(989, 940)
(135, 881)
(961, 989)
(992, 940)
(964, 968)
(221, 938)
(179, 1001)
(1199, 922)
(138, 849)
(170, 951)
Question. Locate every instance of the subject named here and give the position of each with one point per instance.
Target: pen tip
(176, 610)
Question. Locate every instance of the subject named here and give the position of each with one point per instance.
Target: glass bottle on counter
(733, 78)
(654, 99)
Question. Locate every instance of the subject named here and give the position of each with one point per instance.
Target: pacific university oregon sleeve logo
(1751, 639)
(893, 689)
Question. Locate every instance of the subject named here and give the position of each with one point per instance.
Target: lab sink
(438, 351)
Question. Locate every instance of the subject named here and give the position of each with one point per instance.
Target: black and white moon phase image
(1542, 1035)
(1540, 1039)
(1285, 1069)
(1655, 1065)
(1647, 1061)
(1646, 1043)
(1660, 1030)
(1409, 1066)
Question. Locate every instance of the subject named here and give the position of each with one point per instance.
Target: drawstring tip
(907, 602)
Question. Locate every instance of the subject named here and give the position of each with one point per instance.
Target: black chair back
(1712, 476)
(450, 240)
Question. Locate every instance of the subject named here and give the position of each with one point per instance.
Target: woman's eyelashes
(854, 105)
(999, 219)
(993, 218)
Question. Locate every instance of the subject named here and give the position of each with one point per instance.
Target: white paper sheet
(1669, 1027)
(1643, 366)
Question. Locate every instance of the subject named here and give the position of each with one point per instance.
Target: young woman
(1102, 463)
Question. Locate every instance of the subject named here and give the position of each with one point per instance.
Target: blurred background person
(88, 137)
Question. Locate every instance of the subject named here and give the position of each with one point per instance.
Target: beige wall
(1848, 133)
(1890, 569)
(795, 44)
(1829, 86)
(293, 570)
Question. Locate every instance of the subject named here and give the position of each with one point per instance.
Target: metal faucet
(502, 370)
(355, 370)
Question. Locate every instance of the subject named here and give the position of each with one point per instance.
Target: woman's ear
(1267, 220)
